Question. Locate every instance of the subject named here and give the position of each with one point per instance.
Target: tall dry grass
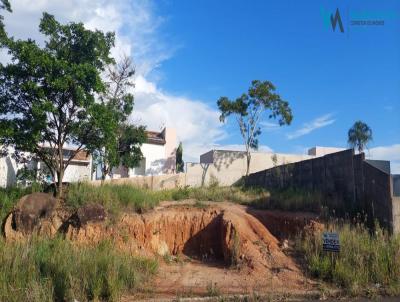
(367, 263)
(55, 270)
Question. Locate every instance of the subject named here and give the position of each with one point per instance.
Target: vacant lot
(192, 242)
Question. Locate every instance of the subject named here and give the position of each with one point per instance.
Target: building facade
(159, 156)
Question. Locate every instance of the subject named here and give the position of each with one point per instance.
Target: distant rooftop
(321, 151)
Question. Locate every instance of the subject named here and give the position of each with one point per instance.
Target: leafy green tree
(250, 108)
(180, 164)
(359, 135)
(4, 4)
(47, 94)
(121, 142)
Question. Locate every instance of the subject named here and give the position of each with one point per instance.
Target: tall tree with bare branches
(121, 143)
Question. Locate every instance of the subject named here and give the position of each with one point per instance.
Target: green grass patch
(367, 263)
(55, 270)
(9, 197)
(126, 197)
(290, 200)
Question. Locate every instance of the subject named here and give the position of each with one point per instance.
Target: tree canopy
(250, 108)
(47, 94)
(4, 5)
(359, 135)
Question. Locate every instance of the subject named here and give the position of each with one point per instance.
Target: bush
(55, 270)
(366, 263)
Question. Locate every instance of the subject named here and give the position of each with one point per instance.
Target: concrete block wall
(349, 184)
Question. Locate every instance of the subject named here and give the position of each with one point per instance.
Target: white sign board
(330, 242)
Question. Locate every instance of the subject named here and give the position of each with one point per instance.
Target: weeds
(9, 196)
(291, 200)
(55, 270)
(366, 264)
(235, 257)
(213, 290)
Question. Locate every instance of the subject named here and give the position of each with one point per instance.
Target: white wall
(8, 172)
(154, 159)
(77, 172)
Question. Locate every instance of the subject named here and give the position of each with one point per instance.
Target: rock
(89, 213)
(30, 209)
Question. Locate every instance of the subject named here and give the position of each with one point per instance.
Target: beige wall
(229, 166)
(156, 182)
(321, 151)
(227, 169)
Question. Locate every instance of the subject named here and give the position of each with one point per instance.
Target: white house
(159, 156)
(79, 168)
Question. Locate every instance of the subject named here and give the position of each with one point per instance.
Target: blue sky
(340, 77)
(189, 53)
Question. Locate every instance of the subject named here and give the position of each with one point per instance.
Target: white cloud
(315, 124)
(391, 152)
(269, 126)
(138, 34)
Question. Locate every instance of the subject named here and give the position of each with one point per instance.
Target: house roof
(81, 156)
(156, 138)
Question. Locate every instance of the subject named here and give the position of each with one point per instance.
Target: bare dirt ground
(266, 266)
(204, 249)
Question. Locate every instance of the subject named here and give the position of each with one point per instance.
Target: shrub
(55, 270)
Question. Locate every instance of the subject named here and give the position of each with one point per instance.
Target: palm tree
(359, 135)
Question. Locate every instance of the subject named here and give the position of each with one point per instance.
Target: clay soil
(266, 265)
(207, 249)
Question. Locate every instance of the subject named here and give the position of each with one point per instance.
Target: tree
(249, 109)
(359, 135)
(47, 94)
(180, 164)
(4, 4)
(121, 142)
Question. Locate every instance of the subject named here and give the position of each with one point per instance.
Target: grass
(116, 198)
(291, 200)
(367, 263)
(9, 196)
(55, 270)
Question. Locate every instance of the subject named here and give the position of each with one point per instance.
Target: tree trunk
(60, 175)
(104, 172)
(248, 157)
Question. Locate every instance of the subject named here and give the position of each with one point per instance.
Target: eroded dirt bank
(221, 247)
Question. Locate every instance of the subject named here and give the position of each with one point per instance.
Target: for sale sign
(330, 242)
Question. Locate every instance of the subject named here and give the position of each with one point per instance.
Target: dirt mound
(43, 215)
(221, 235)
(30, 209)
